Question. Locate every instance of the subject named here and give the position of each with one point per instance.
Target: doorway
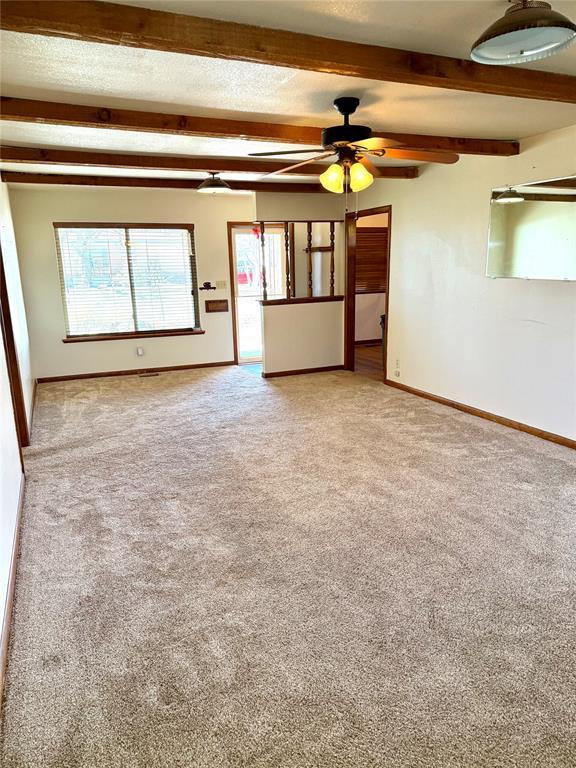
(367, 280)
(247, 258)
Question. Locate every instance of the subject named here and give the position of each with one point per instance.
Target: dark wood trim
(114, 24)
(368, 342)
(350, 310)
(291, 233)
(132, 372)
(120, 225)
(302, 371)
(301, 300)
(461, 146)
(387, 299)
(567, 183)
(350, 291)
(8, 610)
(14, 376)
(56, 113)
(71, 179)
(43, 156)
(71, 157)
(529, 197)
(318, 249)
(551, 436)
(132, 335)
(34, 395)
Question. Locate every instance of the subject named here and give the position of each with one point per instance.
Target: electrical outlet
(397, 374)
(140, 351)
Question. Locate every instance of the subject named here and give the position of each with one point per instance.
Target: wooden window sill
(301, 300)
(133, 335)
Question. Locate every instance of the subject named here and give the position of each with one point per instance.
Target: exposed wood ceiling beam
(123, 181)
(167, 162)
(115, 24)
(543, 198)
(55, 113)
(569, 183)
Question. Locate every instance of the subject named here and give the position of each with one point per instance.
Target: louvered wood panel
(371, 259)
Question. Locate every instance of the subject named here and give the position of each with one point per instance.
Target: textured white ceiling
(93, 74)
(445, 27)
(88, 170)
(72, 137)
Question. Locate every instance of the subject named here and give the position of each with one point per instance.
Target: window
(127, 280)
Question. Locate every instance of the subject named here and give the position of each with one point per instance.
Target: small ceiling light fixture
(360, 177)
(509, 196)
(214, 185)
(333, 178)
(345, 171)
(528, 31)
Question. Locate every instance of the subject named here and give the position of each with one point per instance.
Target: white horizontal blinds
(127, 279)
(161, 266)
(94, 280)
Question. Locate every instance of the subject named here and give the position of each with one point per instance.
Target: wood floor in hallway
(368, 360)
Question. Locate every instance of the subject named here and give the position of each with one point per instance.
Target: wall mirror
(533, 231)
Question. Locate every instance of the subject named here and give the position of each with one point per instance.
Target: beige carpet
(316, 572)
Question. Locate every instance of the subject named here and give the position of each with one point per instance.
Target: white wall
(36, 208)
(298, 336)
(10, 479)
(505, 346)
(10, 466)
(287, 206)
(369, 308)
(16, 299)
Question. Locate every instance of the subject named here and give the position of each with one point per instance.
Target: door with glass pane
(247, 270)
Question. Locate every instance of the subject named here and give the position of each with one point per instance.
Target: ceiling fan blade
(375, 143)
(422, 155)
(369, 166)
(287, 152)
(299, 165)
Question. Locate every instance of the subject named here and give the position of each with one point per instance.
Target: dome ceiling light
(214, 185)
(509, 196)
(528, 31)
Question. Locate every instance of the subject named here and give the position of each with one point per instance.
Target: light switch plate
(222, 284)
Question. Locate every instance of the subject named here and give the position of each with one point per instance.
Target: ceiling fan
(351, 144)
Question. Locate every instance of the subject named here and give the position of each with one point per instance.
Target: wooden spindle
(331, 258)
(263, 271)
(309, 253)
(287, 252)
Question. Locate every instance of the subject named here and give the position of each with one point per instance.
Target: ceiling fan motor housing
(339, 135)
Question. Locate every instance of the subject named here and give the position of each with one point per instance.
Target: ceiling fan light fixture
(509, 196)
(528, 31)
(333, 178)
(214, 185)
(360, 177)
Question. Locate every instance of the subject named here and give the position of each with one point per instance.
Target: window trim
(190, 331)
(133, 335)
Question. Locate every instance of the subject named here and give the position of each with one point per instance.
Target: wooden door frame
(16, 390)
(231, 225)
(350, 298)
